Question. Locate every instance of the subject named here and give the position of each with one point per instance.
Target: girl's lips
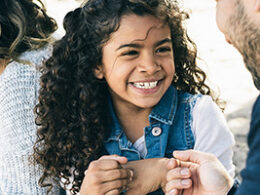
(146, 87)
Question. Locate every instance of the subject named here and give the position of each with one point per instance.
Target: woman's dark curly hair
(72, 112)
(24, 25)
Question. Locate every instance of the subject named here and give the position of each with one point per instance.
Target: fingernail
(185, 171)
(131, 175)
(185, 182)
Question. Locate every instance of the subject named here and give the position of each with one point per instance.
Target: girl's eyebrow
(166, 40)
(135, 45)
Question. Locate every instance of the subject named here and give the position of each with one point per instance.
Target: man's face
(241, 27)
(223, 13)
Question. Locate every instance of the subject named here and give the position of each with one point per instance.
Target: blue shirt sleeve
(251, 174)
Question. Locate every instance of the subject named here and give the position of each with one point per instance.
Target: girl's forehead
(134, 27)
(129, 20)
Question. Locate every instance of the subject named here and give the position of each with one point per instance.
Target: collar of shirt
(163, 112)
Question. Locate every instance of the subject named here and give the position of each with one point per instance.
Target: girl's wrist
(162, 167)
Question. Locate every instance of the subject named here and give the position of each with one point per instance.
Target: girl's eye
(130, 53)
(163, 50)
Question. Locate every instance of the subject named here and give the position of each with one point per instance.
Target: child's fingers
(114, 185)
(120, 159)
(172, 163)
(103, 164)
(178, 173)
(178, 184)
(114, 174)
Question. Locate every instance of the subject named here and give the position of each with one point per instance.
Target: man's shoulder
(255, 121)
(256, 108)
(251, 173)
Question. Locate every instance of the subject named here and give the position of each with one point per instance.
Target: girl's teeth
(146, 85)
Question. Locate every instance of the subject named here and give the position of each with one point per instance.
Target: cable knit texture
(19, 85)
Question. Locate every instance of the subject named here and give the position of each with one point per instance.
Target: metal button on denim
(156, 131)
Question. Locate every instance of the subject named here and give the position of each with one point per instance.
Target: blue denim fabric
(173, 114)
(251, 174)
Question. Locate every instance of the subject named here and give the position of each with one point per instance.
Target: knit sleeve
(19, 85)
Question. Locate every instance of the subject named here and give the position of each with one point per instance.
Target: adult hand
(178, 178)
(149, 175)
(106, 176)
(208, 175)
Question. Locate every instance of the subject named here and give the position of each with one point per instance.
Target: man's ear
(98, 72)
(257, 5)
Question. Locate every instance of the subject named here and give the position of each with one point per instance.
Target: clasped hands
(189, 172)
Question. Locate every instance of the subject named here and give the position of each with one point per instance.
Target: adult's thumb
(194, 156)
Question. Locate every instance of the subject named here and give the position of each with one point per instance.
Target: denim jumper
(170, 124)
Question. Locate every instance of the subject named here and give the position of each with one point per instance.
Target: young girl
(25, 31)
(123, 80)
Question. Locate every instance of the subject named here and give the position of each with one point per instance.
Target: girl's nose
(148, 64)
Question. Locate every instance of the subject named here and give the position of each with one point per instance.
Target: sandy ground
(220, 61)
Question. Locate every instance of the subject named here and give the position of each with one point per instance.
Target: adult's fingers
(178, 184)
(173, 163)
(178, 173)
(173, 192)
(194, 156)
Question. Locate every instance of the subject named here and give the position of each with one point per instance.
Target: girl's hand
(149, 175)
(106, 176)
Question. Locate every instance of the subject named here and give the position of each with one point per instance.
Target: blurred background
(222, 63)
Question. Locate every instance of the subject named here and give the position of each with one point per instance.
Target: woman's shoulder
(38, 56)
(17, 75)
(21, 79)
(17, 71)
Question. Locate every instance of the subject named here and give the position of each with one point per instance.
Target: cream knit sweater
(19, 85)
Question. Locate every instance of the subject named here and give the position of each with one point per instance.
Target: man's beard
(245, 36)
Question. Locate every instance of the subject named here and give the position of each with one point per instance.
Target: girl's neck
(133, 121)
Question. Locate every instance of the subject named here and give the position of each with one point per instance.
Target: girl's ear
(98, 72)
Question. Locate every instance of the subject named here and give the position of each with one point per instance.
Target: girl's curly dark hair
(24, 25)
(72, 112)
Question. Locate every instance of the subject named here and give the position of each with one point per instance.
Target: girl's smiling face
(138, 62)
